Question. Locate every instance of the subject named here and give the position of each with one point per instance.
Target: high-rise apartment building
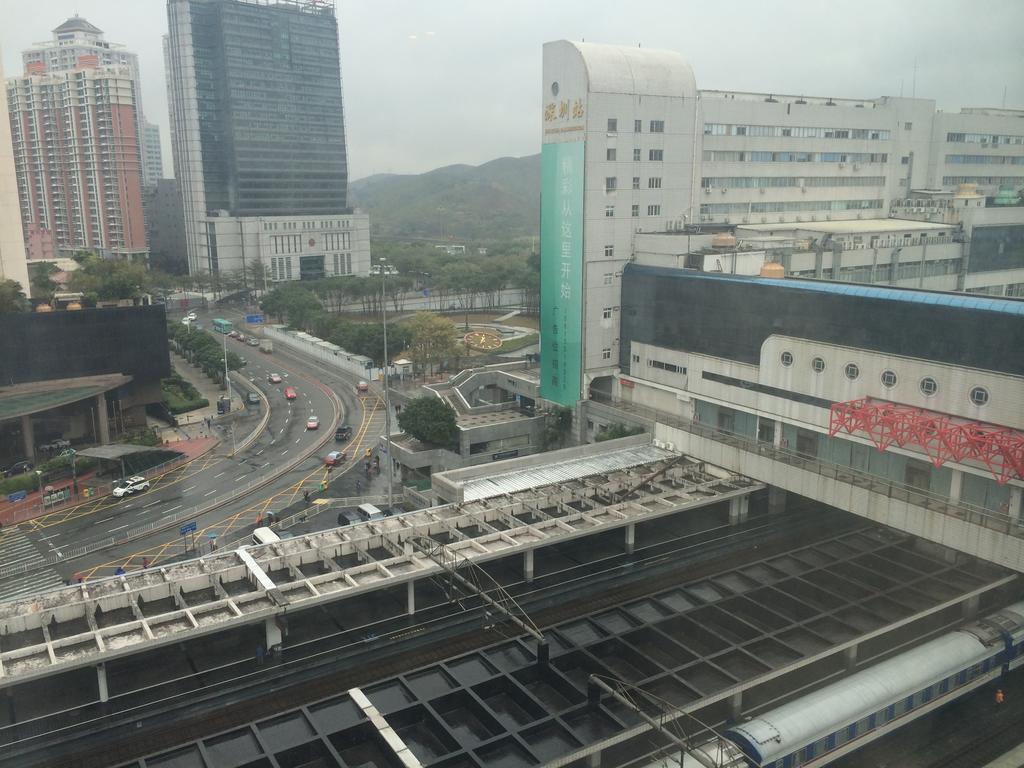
(153, 156)
(77, 156)
(258, 139)
(12, 243)
(631, 147)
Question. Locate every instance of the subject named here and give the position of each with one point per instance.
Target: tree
(107, 280)
(259, 274)
(430, 420)
(12, 297)
(298, 305)
(41, 280)
(432, 339)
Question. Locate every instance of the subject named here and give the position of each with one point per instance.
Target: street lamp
(227, 381)
(387, 389)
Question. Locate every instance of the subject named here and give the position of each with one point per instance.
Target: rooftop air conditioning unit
(761, 190)
(707, 190)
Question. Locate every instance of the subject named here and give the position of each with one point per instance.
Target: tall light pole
(227, 381)
(387, 389)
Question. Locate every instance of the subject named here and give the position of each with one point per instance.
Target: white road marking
(153, 502)
(190, 488)
(210, 493)
(220, 475)
(121, 528)
(240, 477)
(51, 536)
(261, 450)
(284, 451)
(297, 439)
(107, 519)
(173, 508)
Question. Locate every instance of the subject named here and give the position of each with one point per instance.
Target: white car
(192, 316)
(130, 486)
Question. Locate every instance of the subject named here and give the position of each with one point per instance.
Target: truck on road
(266, 346)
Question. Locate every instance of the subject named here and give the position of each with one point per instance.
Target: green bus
(222, 326)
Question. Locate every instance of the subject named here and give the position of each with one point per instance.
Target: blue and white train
(839, 718)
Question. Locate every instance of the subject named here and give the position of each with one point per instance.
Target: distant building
(12, 243)
(153, 161)
(259, 143)
(165, 227)
(75, 119)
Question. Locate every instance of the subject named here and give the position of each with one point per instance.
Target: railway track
(126, 736)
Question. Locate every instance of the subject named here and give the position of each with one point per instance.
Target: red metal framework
(941, 436)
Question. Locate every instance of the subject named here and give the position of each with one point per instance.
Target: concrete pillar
(28, 437)
(1015, 508)
(410, 591)
(777, 435)
(594, 760)
(956, 484)
(970, 606)
(850, 658)
(102, 425)
(528, 565)
(273, 632)
(101, 679)
(736, 706)
(776, 500)
(630, 538)
(738, 508)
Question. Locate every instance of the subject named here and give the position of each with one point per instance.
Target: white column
(956, 484)
(850, 657)
(410, 591)
(736, 705)
(1015, 510)
(101, 679)
(630, 538)
(776, 500)
(528, 565)
(970, 606)
(273, 632)
(738, 508)
(594, 760)
(777, 435)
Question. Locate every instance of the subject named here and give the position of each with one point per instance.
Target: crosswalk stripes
(16, 549)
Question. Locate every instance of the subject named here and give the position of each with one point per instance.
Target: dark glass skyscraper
(256, 110)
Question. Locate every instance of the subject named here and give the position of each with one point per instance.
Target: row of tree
(202, 349)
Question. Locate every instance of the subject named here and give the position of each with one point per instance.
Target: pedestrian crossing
(16, 549)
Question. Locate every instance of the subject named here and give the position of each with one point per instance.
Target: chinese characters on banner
(561, 270)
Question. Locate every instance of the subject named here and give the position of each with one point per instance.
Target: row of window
(928, 385)
(983, 138)
(731, 156)
(655, 126)
(763, 182)
(611, 154)
(611, 183)
(986, 159)
(789, 206)
(796, 131)
(950, 180)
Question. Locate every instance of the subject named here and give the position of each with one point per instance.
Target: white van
(370, 512)
(264, 535)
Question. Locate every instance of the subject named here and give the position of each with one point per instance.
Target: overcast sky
(429, 83)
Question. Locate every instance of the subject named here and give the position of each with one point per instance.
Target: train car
(839, 718)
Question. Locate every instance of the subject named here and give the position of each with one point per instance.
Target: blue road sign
(256, 319)
(187, 528)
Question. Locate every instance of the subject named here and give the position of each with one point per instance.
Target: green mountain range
(498, 200)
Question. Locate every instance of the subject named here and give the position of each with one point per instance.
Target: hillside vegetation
(499, 200)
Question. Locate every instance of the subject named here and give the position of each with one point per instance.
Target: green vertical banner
(561, 272)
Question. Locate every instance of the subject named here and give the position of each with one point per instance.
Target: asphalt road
(216, 475)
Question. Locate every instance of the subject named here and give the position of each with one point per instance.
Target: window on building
(636, 182)
(610, 183)
(613, 125)
(654, 210)
(636, 358)
(818, 364)
(905, 160)
(889, 379)
(609, 210)
(609, 153)
(907, 126)
(636, 210)
(852, 371)
(638, 126)
(654, 182)
(929, 386)
(606, 313)
(606, 353)
(636, 155)
(609, 251)
(786, 358)
(657, 126)
(655, 154)
(609, 277)
(979, 396)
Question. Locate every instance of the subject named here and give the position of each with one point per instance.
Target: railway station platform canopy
(38, 396)
(89, 624)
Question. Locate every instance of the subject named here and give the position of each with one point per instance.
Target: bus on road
(221, 325)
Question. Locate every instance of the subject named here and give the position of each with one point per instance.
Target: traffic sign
(254, 319)
(187, 528)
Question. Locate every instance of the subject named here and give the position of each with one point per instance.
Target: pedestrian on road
(145, 563)
(119, 571)
(999, 697)
(259, 654)
(259, 519)
(359, 486)
(78, 578)
(305, 496)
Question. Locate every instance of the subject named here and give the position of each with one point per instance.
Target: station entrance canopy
(942, 437)
(37, 396)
